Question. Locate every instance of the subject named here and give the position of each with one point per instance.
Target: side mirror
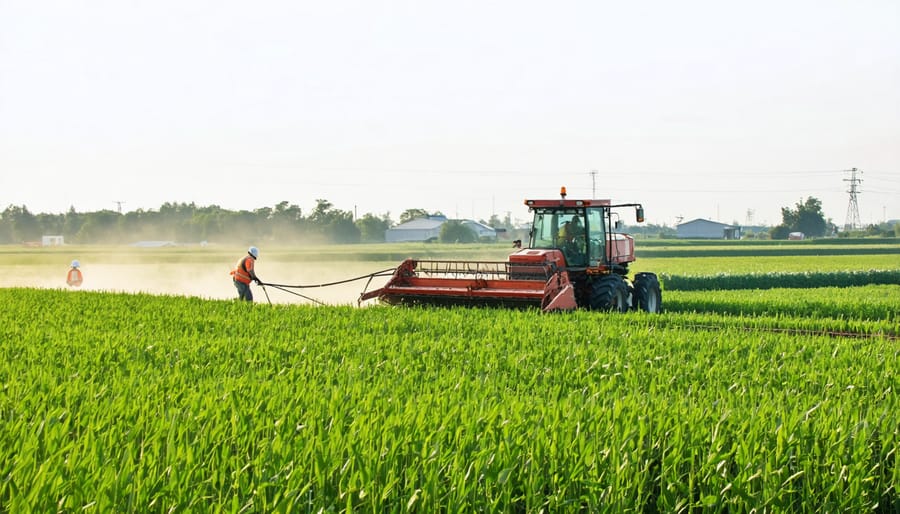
(618, 224)
(640, 214)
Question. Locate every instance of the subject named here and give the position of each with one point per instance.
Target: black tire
(609, 293)
(647, 295)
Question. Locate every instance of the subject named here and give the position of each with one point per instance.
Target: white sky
(694, 108)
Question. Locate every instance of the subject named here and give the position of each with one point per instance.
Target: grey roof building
(425, 229)
(706, 229)
(420, 229)
(481, 230)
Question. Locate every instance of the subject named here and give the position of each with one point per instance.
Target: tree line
(190, 223)
(287, 223)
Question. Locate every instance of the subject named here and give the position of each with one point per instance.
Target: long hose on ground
(287, 287)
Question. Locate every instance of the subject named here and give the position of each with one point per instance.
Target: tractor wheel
(609, 293)
(647, 296)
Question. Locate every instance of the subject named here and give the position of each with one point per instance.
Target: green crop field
(732, 400)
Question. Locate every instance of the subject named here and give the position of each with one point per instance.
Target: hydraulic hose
(383, 273)
(287, 287)
(292, 292)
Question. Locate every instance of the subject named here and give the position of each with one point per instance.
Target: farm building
(706, 229)
(481, 230)
(52, 241)
(425, 229)
(420, 229)
(153, 244)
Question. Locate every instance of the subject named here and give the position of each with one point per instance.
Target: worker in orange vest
(244, 272)
(75, 278)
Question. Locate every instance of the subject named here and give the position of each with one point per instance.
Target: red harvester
(574, 259)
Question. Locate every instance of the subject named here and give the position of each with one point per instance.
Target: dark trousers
(243, 290)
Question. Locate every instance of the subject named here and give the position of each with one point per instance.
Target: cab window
(596, 236)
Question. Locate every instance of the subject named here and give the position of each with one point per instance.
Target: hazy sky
(713, 109)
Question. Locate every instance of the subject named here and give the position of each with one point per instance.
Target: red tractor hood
(538, 256)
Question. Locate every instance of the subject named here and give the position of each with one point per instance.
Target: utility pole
(852, 221)
(119, 203)
(593, 184)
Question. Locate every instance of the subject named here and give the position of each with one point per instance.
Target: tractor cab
(579, 235)
(578, 232)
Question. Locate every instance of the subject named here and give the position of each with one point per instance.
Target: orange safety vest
(74, 277)
(244, 270)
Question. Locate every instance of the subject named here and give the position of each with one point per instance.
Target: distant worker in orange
(75, 278)
(244, 272)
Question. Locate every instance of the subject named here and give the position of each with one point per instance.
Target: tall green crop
(114, 402)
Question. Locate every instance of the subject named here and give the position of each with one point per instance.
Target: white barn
(420, 229)
(429, 229)
(481, 230)
(706, 229)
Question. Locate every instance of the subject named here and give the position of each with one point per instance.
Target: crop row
(139, 403)
(729, 281)
(763, 251)
(872, 303)
(745, 243)
(691, 266)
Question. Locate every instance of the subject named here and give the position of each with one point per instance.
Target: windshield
(582, 241)
(596, 236)
(563, 229)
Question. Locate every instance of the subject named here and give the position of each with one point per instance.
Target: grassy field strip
(863, 303)
(796, 280)
(874, 242)
(115, 402)
(704, 266)
(644, 253)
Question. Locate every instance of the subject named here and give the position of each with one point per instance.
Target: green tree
(454, 231)
(779, 232)
(341, 229)
(100, 227)
(51, 223)
(334, 224)
(372, 228)
(287, 222)
(240, 226)
(210, 222)
(5, 230)
(412, 214)
(23, 225)
(807, 217)
(73, 223)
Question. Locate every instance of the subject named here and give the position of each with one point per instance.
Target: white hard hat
(75, 263)
(254, 251)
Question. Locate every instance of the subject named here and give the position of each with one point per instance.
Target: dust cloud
(209, 280)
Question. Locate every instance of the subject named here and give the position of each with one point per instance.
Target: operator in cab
(570, 240)
(571, 230)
